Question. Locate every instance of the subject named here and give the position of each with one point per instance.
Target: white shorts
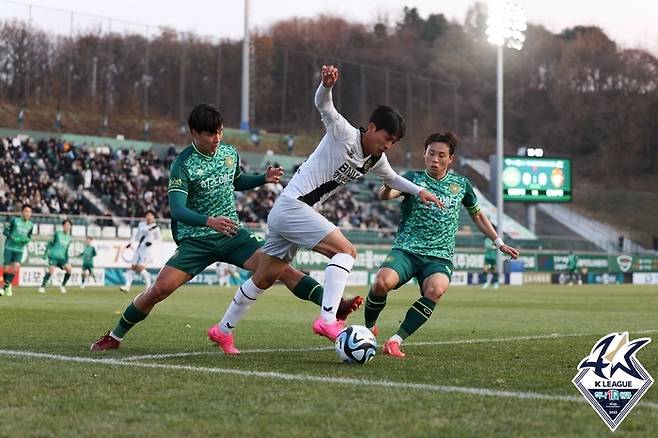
(141, 257)
(291, 224)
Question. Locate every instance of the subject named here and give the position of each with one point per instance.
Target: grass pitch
(488, 363)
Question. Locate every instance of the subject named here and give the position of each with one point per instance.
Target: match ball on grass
(356, 344)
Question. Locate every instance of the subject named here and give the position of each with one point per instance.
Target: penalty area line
(274, 375)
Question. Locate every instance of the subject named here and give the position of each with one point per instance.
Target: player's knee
(349, 249)
(264, 280)
(381, 286)
(157, 293)
(434, 293)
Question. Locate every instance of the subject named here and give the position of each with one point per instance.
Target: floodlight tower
(505, 27)
(246, 46)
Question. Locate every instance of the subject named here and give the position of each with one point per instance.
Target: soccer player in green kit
(18, 233)
(425, 242)
(57, 253)
(489, 268)
(205, 226)
(88, 254)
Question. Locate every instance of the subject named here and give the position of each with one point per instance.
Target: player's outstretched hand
(273, 174)
(510, 251)
(329, 76)
(223, 225)
(427, 197)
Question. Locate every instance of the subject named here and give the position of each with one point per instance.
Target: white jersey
(146, 236)
(338, 159)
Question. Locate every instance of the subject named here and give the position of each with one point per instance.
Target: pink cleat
(224, 340)
(326, 329)
(392, 348)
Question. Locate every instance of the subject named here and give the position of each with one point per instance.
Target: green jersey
(426, 229)
(88, 254)
(58, 248)
(208, 183)
(490, 251)
(18, 233)
(572, 262)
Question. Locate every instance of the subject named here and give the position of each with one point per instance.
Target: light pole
(505, 27)
(246, 43)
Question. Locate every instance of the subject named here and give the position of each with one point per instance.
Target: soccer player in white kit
(344, 154)
(148, 233)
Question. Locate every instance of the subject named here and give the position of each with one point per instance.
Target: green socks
(66, 279)
(374, 306)
(8, 278)
(417, 315)
(131, 316)
(45, 279)
(309, 290)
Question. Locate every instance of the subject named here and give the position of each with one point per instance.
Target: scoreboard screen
(530, 179)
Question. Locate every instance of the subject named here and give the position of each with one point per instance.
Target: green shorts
(489, 264)
(408, 265)
(87, 266)
(59, 262)
(195, 254)
(12, 256)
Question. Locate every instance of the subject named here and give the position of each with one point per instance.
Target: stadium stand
(34, 173)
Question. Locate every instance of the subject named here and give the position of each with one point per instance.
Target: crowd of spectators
(129, 183)
(34, 173)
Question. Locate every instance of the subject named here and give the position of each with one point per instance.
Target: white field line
(273, 375)
(302, 350)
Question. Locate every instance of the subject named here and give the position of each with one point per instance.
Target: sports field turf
(488, 363)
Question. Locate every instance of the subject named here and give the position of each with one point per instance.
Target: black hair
(150, 211)
(448, 138)
(389, 119)
(66, 220)
(205, 117)
(26, 206)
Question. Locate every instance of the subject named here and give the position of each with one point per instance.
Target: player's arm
(334, 122)
(401, 184)
(8, 229)
(242, 181)
(386, 192)
(484, 225)
(157, 235)
(180, 212)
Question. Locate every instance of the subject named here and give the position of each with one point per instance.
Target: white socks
(396, 338)
(147, 277)
(335, 278)
(246, 295)
(129, 279)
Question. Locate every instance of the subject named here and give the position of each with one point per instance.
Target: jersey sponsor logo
(345, 173)
(612, 379)
(448, 201)
(215, 181)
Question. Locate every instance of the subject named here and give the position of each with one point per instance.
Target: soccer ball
(356, 344)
